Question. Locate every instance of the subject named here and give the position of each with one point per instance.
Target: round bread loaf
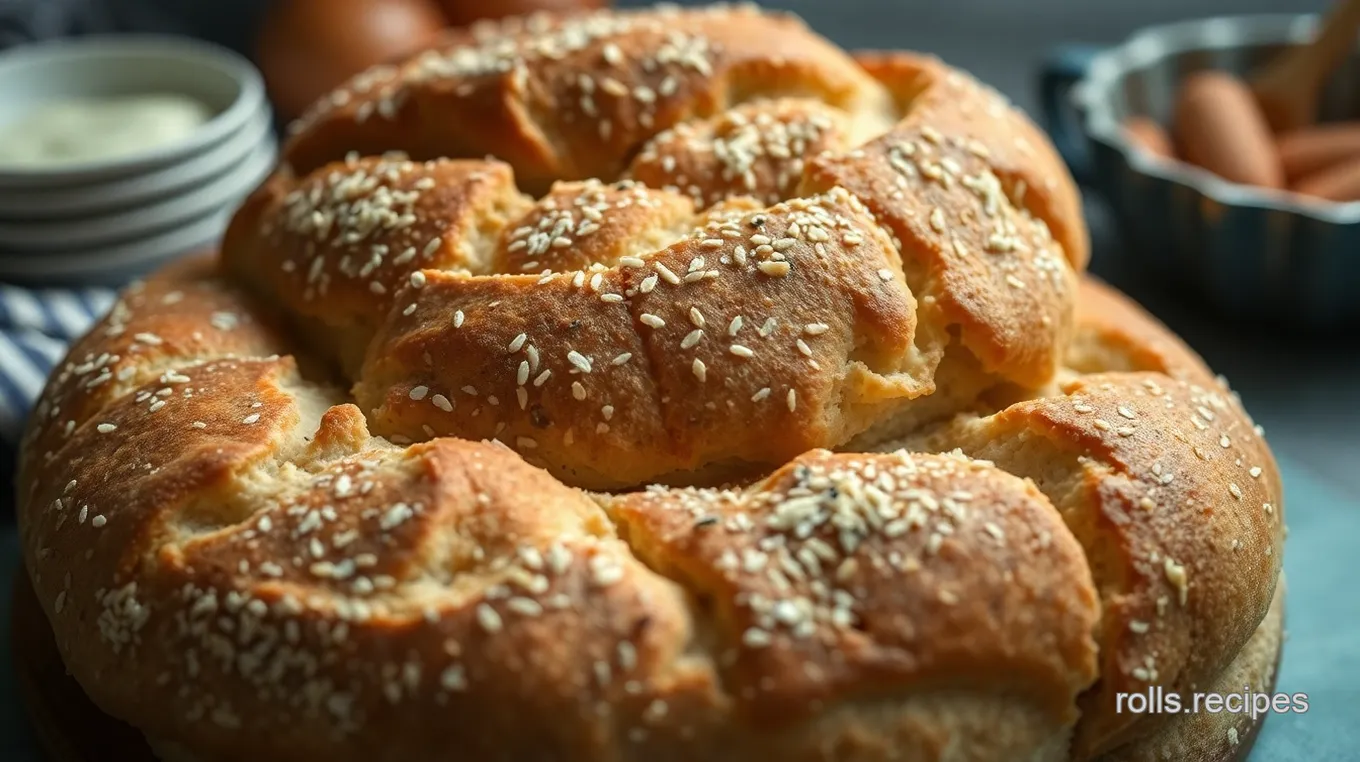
(657, 385)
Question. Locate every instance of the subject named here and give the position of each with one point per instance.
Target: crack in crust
(809, 253)
(741, 356)
(976, 290)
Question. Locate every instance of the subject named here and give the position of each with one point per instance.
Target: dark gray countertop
(1304, 390)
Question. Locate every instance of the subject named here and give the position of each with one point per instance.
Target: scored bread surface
(662, 385)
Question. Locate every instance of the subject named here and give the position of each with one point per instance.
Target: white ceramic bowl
(117, 264)
(103, 222)
(129, 193)
(125, 65)
(64, 236)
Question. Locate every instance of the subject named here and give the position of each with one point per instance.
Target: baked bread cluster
(653, 385)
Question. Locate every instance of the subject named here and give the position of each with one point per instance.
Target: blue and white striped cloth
(36, 327)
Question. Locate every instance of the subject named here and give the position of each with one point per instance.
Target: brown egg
(1309, 150)
(1149, 136)
(1339, 182)
(308, 47)
(1219, 127)
(464, 12)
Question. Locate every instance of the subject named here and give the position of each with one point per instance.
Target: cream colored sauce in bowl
(76, 131)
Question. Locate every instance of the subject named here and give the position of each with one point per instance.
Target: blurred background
(1001, 41)
(1302, 385)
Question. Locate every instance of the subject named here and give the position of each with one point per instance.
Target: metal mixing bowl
(1251, 253)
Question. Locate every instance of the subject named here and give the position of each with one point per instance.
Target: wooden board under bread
(70, 728)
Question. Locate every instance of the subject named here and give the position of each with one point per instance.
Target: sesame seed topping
(741, 351)
(937, 220)
(700, 370)
(105, 428)
(418, 393)
(773, 268)
(755, 637)
(453, 678)
(517, 343)
(488, 618)
(1176, 575)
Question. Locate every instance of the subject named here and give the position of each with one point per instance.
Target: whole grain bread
(651, 385)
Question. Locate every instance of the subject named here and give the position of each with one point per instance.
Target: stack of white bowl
(108, 221)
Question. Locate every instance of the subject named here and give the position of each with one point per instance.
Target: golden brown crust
(1175, 498)
(882, 559)
(579, 225)
(1227, 735)
(244, 564)
(335, 246)
(1112, 333)
(978, 248)
(153, 329)
(758, 149)
(781, 115)
(1017, 151)
(574, 97)
(742, 345)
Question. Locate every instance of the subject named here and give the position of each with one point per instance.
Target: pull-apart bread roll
(654, 385)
